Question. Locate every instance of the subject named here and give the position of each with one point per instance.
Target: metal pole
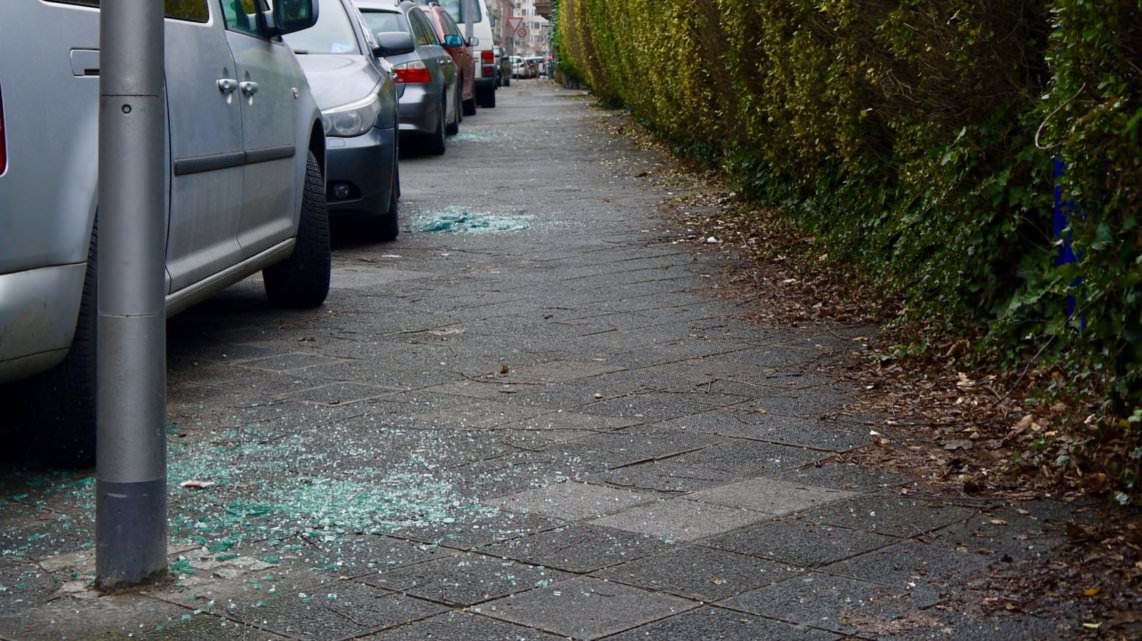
(469, 27)
(131, 503)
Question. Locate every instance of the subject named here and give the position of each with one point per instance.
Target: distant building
(537, 39)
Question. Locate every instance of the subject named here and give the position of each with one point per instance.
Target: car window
(333, 33)
(455, 8)
(382, 21)
(450, 25)
(189, 10)
(423, 32)
(241, 16)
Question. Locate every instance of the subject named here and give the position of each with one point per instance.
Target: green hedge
(916, 136)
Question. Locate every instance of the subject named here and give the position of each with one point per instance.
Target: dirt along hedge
(919, 137)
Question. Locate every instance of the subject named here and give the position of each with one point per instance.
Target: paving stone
(579, 548)
(466, 579)
(496, 528)
(772, 428)
(105, 618)
(341, 610)
(769, 496)
(837, 604)
(1004, 535)
(712, 624)
(799, 542)
(663, 476)
(911, 563)
(845, 476)
(539, 440)
(570, 501)
(700, 573)
(467, 413)
(904, 517)
(462, 626)
(366, 554)
(751, 458)
(24, 585)
(564, 420)
(285, 362)
(337, 393)
(658, 406)
(560, 371)
(680, 519)
(624, 448)
(585, 608)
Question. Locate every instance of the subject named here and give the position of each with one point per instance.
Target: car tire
(65, 396)
(302, 280)
(436, 144)
(470, 106)
(387, 227)
(507, 81)
(486, 98)
(454, 128)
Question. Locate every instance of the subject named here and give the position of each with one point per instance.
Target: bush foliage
(918, 137)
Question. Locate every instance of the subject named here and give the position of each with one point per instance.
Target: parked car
(457, 46)
(503, 68)
(536, 66)
(357, 95)
(245, 159)
(481, 42)
(428, 85)
(517, 66)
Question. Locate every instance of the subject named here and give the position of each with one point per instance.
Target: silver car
(245, 160)
(428, 83)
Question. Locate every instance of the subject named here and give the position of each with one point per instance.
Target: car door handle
(227, 85)
(249, 88)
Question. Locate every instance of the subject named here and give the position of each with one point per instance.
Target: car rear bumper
(419, 109)
(38, 311)
(363, 166)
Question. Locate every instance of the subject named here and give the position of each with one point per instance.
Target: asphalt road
(528, 418)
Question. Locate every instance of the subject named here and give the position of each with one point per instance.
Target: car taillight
(415, 72)
(3, 145)
(487, 56)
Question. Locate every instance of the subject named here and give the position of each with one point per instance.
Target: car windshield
(384, 21)
(333, 33)
(455, 8)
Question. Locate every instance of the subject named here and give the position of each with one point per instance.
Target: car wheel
(507, 81)
(65, 396)
(388, 226)
(470, 106)
(436, 144)
(302, 280)
(454, 128)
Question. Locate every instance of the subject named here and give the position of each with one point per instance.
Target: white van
(481, 42)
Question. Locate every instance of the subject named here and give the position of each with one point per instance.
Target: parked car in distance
(245, 157)
(357, 95)
(503, 68)
(428, 85)
(536, 66)
(481, 45)
(457, 46)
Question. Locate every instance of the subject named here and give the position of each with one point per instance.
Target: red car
(454, 43)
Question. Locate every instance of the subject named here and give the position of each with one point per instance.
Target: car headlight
(352, 119)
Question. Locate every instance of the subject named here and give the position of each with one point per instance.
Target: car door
(439, 63)
(205, 121)
(268, 77)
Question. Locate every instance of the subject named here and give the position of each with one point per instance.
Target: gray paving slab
(487, 530)
(665, 476)
(746, 459)
(625, 448)
(462, 626)
(893, 515)
(570, 501)
(845, 476)
(341, 610)
(713, 624)
(579, 548)
(769, 496)
(75, 619)
(910, 563)
(700, 573)
(681, 519)
(466, 579)
(836, 604)
(774, 428)
(799, 542)
(585, 608)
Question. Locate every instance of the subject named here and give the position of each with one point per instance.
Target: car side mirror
(393, 43)
(453, 40)
(292, 15)
(473, 41)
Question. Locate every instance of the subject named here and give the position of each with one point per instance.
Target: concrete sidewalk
(526, 419)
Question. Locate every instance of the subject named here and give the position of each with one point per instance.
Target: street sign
(515, 23)
(521, 32)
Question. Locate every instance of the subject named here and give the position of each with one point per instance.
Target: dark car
(428, 84)
(357, 96)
